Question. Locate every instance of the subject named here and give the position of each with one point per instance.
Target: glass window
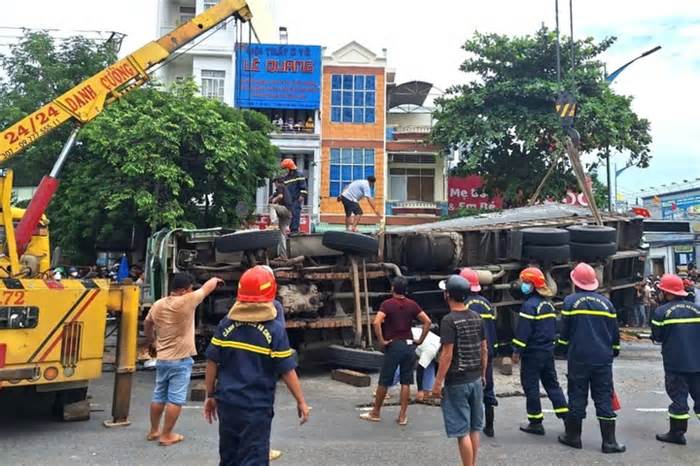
(412, 184)
(353, 98)
(335, 98)
(213, 82)
(348, 165)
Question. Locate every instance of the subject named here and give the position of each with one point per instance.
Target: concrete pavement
(335, 435)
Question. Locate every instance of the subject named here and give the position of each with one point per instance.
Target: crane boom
(86, 101)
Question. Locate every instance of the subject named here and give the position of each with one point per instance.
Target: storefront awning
(410, 93)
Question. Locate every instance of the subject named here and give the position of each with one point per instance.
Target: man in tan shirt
(170, 326)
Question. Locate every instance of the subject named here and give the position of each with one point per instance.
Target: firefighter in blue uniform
(592, 339)
(295, 182)
(534, 340)
(247, 355)
(483, 307)
(676, 325)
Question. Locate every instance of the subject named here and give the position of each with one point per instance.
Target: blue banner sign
(278, 76)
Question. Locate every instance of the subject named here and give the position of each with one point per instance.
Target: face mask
(526, 288)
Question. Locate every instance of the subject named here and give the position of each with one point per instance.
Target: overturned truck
(331, 284)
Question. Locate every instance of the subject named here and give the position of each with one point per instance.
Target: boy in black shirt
(462, 365)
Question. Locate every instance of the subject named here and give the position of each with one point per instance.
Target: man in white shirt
(351, 197)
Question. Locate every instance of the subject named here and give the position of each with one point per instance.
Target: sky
(423, 41)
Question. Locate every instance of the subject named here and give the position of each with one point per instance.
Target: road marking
(651, 410)
(658, 392)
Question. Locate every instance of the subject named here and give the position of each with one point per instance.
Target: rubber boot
(572, 437)
(488, 428)
(676, 432)
(607, 431)
(534, 427)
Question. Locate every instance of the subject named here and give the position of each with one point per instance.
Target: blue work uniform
(483, 307)
(676, 325)
(250, 358)
(296, 184)
(534, 340)
(592, 338)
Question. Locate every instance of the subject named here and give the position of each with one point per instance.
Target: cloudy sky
(423, 42)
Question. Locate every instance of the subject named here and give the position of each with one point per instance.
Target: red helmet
(257, 285)
(533, 275)
(584, 277)
(472, 277)
(672, 284)
(288, 164)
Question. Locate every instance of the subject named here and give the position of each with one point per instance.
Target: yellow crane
(52, 332)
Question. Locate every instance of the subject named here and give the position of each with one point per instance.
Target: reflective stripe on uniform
(293, 180)
(535, 416)
(686, 320)
(487, 316)
(616, 346)
(251, 348)
(561, 410)
(678, 416)
(539, 317)
(606, 418)
(586, 312)
(519, 343)
(562, 342)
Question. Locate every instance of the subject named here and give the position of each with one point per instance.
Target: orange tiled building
(353, 112)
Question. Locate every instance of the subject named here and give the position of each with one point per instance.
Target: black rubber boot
(572, 437)
(676, 432)
(488, 428)
(607, 431)
(534, 427)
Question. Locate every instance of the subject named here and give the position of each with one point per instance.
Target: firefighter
(592, 339)
(483, 307)
(534, 340)
(676, 325)
(296, 184)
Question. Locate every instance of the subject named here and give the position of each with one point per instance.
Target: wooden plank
(354, 378)
(287, 275)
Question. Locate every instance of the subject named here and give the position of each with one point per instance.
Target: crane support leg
(125, 300)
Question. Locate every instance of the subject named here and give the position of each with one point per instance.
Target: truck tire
(545, 236)
(351, 243)
(248, 240)
(354, 358)
(592, 251)
(547, 254)
(592, 234)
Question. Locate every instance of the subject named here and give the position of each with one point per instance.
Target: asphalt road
(335, 435)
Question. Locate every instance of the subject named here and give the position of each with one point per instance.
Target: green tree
(503, 121)
(160, 158)
(39, 68)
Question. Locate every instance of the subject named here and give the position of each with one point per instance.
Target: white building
(210, 60)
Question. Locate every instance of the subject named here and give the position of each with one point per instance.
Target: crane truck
(52, 332)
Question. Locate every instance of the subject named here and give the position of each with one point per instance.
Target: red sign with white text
(465, 192)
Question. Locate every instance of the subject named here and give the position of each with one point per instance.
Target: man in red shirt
(392, 326)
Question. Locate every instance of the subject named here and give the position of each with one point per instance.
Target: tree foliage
(37, 69)
(504, 124)
(157, 158)
(161, 158)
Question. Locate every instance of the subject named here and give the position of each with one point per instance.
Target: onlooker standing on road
(351, 197)
(392, 325)
(639, 309)
(249, 352)
(170, 324)
(462, 368)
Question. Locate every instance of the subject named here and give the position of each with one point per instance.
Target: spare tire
(545, 236)
(547, 254)
(592, 251)
(248, 240)
(351, 243)
(354, 358)
(592, 234)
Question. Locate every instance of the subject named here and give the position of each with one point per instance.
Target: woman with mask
(534, 346)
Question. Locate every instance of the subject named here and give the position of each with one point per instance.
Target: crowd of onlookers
(136, 273)
(648, 297)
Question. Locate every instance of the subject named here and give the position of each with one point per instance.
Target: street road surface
(335, 435)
